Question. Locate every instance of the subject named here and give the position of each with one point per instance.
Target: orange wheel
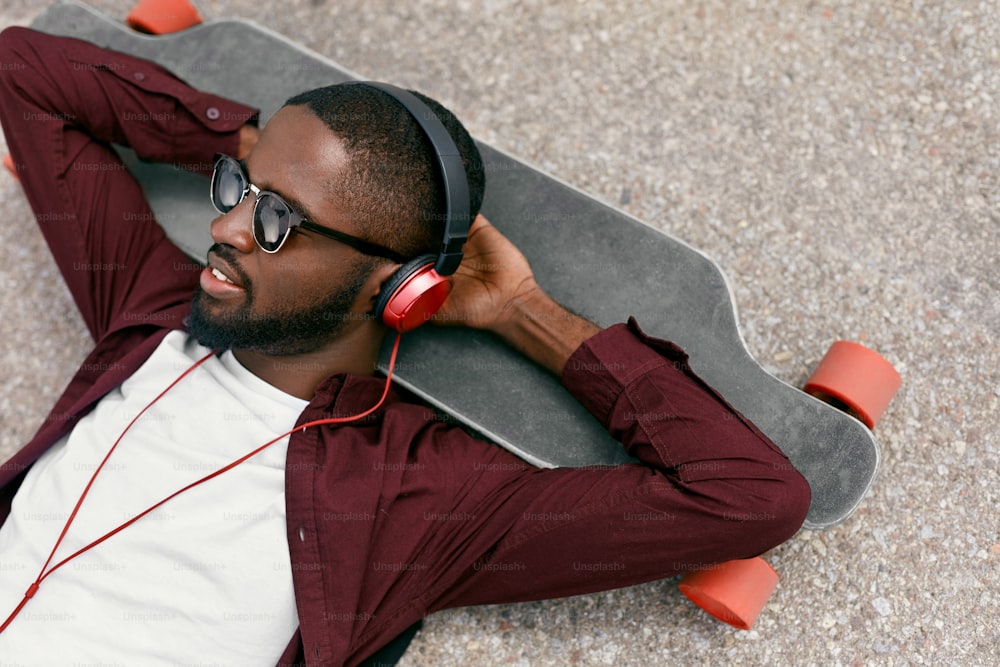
(8, 162)
(734, 592)
(159, 17)
(855, 379)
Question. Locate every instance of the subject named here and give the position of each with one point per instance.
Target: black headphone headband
(456, 183)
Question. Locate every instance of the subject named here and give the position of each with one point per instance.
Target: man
(328, 540)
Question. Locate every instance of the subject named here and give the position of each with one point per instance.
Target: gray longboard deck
(598, 261)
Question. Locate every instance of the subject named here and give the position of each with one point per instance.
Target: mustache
(229, 254)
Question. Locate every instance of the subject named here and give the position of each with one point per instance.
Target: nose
(235, 227)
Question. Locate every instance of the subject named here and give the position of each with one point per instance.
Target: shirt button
(212, 113)
(139, 76)
(302, 534)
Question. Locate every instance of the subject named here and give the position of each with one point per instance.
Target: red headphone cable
(43, 574)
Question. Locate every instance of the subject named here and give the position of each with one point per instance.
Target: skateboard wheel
(855, 379)
(8, 163)
(160, 17)
(734, 592)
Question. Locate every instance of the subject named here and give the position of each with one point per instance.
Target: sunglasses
(273, 217)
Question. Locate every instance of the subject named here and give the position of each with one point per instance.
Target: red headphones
(416, 291)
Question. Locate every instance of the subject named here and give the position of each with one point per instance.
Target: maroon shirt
(402, 514)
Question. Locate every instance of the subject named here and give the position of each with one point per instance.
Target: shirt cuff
(600, 369)
(211, 122)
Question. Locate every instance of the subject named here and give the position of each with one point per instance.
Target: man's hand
(249, 134)
(495, 289)
(493, 276)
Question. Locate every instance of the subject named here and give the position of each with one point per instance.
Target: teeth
(218, 274)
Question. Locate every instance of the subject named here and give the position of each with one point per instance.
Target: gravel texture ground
(838, 159)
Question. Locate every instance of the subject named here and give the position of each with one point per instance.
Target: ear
(374, 285)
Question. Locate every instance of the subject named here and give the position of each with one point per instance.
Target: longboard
(598, 261)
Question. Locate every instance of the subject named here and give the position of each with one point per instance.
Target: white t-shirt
(204, 579)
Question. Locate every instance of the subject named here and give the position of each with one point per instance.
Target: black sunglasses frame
(296, 219)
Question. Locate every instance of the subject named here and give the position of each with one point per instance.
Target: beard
(293, 329)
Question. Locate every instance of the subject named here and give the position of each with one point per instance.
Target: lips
(221, 276)
(220, 279)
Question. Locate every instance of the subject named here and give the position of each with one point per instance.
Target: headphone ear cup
(412, 295)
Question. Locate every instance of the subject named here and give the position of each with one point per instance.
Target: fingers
(249, 134)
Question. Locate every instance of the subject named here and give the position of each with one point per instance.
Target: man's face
(306, 294)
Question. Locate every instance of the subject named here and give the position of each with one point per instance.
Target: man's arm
(63, 102)
(709, 487)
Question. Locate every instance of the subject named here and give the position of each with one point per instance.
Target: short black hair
(393, 186)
